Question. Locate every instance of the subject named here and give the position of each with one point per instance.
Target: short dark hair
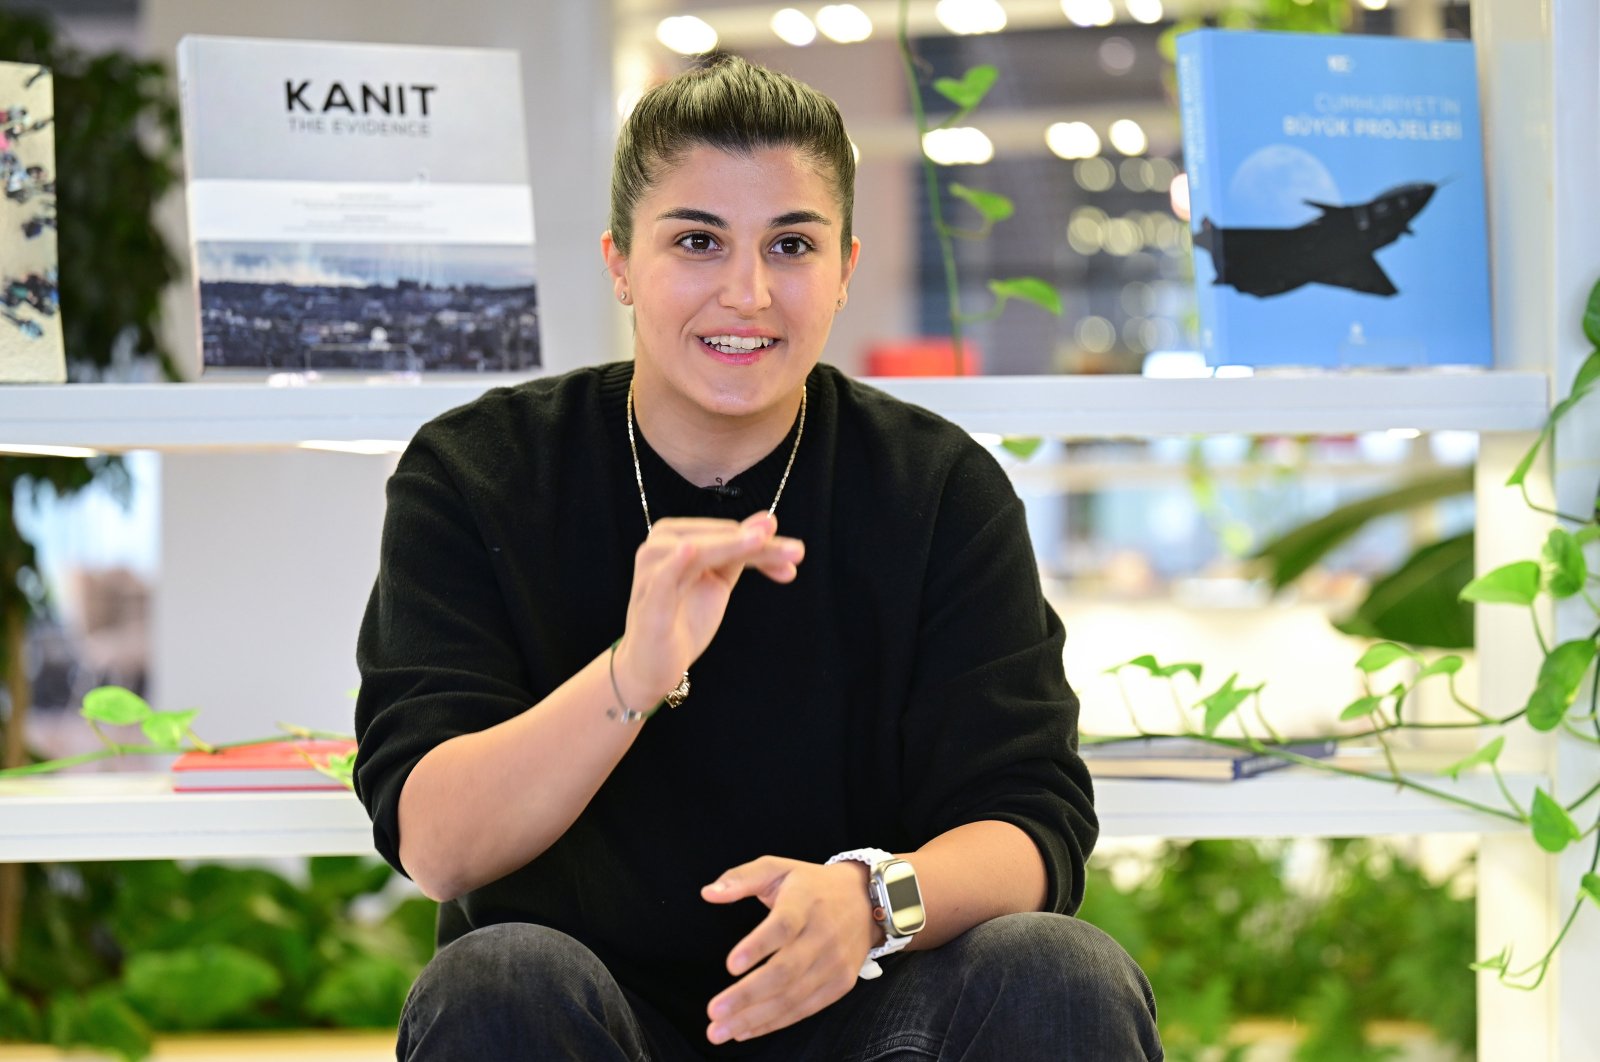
(735, 106)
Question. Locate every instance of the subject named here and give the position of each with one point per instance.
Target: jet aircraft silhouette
(1335, 248)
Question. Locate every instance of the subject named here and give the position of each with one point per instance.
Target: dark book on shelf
(267, 767)
(1336, 197)
(1191, 758)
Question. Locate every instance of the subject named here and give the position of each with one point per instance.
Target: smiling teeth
(731, 344)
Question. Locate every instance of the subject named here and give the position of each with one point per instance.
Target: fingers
(780, 1012)
(759, 878)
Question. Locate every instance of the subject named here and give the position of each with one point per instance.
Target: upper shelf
(241, 416)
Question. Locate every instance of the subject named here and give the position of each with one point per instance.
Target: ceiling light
(1072, 140)
(1374, 5)
(1088, 12)
(959, 146)
(1128, 137)
(845, 23)
(794, 27)
(1146, 11)
(971, 16)
(354, 446)
(686, 35)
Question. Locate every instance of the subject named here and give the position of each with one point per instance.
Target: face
(734, 275)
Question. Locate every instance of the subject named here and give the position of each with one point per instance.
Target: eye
(698, 242)
(792, 246)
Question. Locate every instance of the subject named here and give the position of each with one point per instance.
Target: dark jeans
(1016, 989)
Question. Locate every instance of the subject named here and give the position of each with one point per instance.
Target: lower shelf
(138, 816)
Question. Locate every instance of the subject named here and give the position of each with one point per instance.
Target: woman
(562, 557)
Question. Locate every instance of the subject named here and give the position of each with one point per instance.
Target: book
(358, 207)
(1191, 758)
(1336, 196)
(271, 766)
(30, 303)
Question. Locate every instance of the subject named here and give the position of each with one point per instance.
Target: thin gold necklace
(680, 692)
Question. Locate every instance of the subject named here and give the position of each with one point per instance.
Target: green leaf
(1553, 828)
(102, 1018)
(1170, 670)
(341, 768)
(1028, 289)
(1418, 603)
(1567, 567)
(1588, 373)
(970, 90)
(1359, 709)
(1145, 661)
(1224, 702)
(198, 988)
(167, 729)
(1591, 316)
(341, 879)
(365, 991)
(1488, 754)
(992, 205)
(1590, 887)
(114, 706)
(1021, 446)
(1382, 655)
(1516, 583)
(1445, 665)
(1520, 473)
(1587, 533)
(1289, 555)
(1495, 962)
(1563, 669)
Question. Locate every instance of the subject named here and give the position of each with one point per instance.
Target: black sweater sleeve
(990, 732)
(435, 650)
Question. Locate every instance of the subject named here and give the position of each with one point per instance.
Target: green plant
(965, 93)
(116, 138)
(1224, 935)
(117, 952)
(1562, 574)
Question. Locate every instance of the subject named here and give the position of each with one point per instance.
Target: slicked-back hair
(735, 106)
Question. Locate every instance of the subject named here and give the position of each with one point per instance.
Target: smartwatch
(896, 901)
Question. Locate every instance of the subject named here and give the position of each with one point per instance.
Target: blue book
(1337, 200)
(1176, 757)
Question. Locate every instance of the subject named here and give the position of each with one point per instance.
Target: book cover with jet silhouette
(359, 207)
(1336, 199)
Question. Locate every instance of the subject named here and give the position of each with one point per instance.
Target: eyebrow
(705, 217)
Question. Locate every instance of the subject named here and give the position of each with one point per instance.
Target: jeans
(1019, 988)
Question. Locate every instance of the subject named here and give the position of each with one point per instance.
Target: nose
(747, 283)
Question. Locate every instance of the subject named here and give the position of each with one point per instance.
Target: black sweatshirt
(907, 682)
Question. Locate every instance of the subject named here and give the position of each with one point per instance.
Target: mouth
(738, 350)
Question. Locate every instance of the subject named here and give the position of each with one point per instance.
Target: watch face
(905, 898)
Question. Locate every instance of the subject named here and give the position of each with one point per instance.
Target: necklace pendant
(679, 693)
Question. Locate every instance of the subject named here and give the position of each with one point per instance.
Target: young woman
(654, 756)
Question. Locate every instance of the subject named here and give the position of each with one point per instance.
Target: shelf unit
(138, 816)
(254, 416)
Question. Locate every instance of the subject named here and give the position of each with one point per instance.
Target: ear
(849, 267)
(616, 264)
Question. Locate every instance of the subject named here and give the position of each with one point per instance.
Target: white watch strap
(891, 943)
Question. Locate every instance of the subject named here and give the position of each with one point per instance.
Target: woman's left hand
(814, 941)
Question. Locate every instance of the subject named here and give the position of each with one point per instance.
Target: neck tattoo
(680, 692)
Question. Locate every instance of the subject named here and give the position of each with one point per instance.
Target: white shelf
(1298, 802)
(138, 816)
(218, 415)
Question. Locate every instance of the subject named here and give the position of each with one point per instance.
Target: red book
(268, 767)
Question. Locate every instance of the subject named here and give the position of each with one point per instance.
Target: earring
(622, 297)
(838, 305)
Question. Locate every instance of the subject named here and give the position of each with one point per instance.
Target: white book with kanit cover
(359, 207)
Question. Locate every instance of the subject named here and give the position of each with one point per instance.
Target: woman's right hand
(683, 575)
